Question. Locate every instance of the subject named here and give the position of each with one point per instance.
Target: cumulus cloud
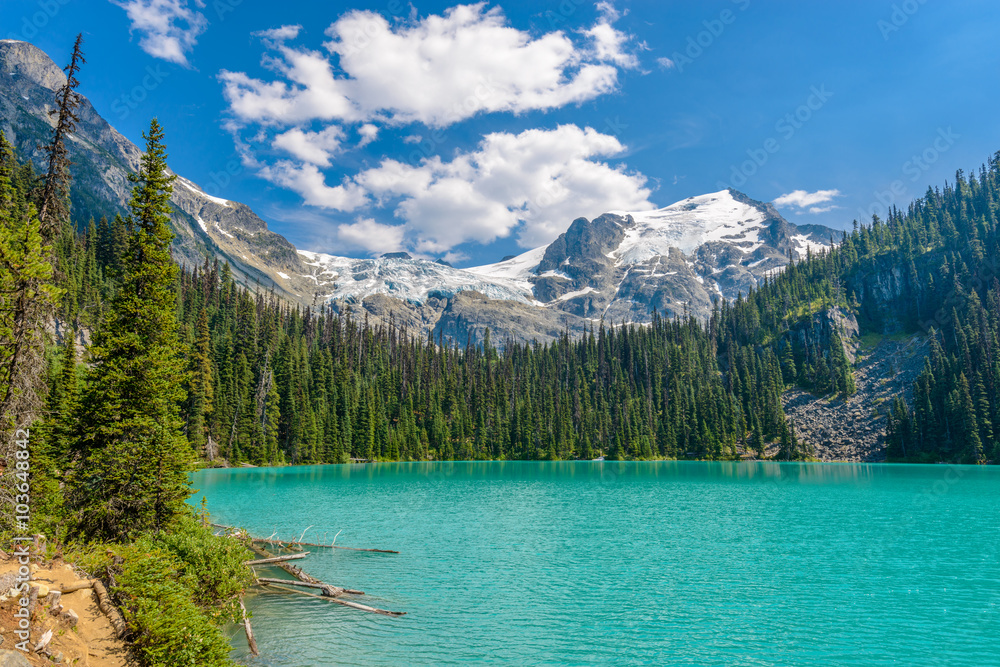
(309, 182)
(608, 43)
(437, 70)
(666, 63)
(279, 34)
(534, 183)
(312, 147)
(801, 199)
(169, 28)
(368, 134)
(371, 236)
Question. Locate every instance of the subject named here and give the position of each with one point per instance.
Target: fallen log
(246, 626)
(320, 546)
(276, 559)
(346, 603)
(77, 585)
(304, 584)
(105, 605)
(290, 569)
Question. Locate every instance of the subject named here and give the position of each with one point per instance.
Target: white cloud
(608, 42)
(822, 209)
(666, 63)
(169, 28)
(280, 34)
(308, 181)
(803, 199)
(368, 133)
(534, 183)
(437, 70)
(608, 11)
(312, 147)
(371, 236)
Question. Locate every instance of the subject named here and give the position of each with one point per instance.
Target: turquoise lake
(660, 563)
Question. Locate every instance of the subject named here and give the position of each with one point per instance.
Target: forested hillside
(274, 383)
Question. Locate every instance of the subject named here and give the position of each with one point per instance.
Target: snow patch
(687, 225)
(283, 275)
(572, 295)
(803, 242)
(198, 191)
(416, 280)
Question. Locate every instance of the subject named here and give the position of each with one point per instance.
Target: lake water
(678, 563)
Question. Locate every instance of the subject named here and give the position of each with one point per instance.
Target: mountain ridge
(620, 266)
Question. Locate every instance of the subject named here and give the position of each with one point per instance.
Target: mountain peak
(22, 59)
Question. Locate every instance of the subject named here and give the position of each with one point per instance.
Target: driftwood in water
(290, 569)
(335, 590)
(305, 544)
(276, 559)
(246, 626)
(322, 546)
(346, 603)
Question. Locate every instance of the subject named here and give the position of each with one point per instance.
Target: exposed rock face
(816, 331)
(854, 429)
(624, 266)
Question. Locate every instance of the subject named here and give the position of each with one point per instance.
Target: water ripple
(631, 563)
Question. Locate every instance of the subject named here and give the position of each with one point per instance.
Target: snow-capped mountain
(410, 280)
(620, 266)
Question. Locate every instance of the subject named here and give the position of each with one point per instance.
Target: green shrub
(215, 563)
(175, 590)
(158, 602)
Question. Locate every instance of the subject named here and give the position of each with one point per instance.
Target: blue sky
(475, 131)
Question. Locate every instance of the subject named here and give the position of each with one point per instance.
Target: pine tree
(54, 206)
(200, 396)
(132, 471)
(26, 298)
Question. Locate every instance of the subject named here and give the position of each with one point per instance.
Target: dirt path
(91, 643)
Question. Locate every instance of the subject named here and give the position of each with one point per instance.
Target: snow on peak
(687, 225)
(198, 191)
(517, 269)
(411, 280)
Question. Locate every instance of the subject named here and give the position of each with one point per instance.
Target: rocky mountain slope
(619, 267)
(854, 429)
(103, 158)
